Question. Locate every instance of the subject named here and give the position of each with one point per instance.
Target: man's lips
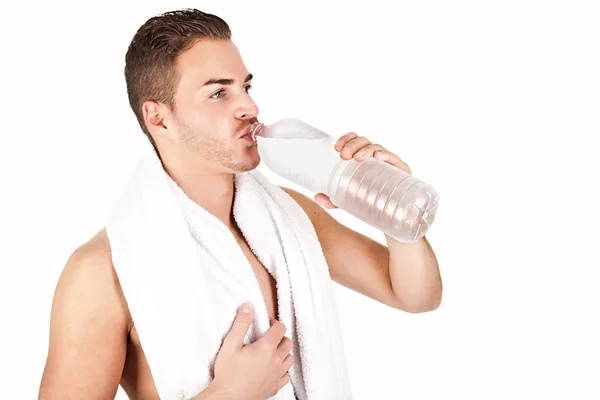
(251, 131)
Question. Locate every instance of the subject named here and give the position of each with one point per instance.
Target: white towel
(184, 277)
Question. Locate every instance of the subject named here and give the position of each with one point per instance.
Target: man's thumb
(241, 324)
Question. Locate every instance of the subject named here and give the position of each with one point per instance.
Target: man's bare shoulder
(325, 225)
(89, 275)
(310, 207)
(96, 251)
(89, 327)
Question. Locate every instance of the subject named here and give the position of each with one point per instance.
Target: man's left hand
(360, 148)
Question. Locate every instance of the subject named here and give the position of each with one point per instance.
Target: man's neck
(212, 190)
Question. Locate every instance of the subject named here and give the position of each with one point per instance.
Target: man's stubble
(213, 151)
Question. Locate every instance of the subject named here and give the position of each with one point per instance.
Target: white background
(496, 104)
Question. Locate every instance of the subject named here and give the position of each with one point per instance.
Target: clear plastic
(381, 195)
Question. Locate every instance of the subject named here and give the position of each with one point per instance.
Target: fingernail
(247, 307)
(360, 153)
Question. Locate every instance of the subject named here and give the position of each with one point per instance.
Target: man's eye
(217, 95)
(248, 88)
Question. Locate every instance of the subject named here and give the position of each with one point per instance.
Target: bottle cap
(255, 130)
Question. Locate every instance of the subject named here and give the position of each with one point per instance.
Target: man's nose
(246, 108)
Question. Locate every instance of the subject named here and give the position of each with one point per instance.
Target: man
(189, 89)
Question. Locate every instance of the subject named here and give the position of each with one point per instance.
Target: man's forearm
(213, 392)
(415, 274)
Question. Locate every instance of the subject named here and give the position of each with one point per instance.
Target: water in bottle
(383, 196)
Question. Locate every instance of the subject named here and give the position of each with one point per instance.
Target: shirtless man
(189, 89)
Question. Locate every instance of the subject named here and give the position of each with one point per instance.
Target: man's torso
(136, 378)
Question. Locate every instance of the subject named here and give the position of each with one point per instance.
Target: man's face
(213, 108)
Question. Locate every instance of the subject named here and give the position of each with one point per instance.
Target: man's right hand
(256, 371)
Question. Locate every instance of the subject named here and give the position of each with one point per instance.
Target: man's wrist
(215, 391)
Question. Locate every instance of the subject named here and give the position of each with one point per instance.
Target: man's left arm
(404, 276)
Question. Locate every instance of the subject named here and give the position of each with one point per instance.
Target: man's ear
(155, 117)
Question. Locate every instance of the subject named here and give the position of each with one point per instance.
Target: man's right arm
(88, 329)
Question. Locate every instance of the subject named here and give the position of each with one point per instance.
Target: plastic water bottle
(379, 194)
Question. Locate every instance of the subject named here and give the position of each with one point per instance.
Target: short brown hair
(150, 59)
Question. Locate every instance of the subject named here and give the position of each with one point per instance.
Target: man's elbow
(418, 304)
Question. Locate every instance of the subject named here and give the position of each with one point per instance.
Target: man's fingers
(285, 379)
(354, 145)
(394, 160)
(274, 334)
(285, 346)
(343, 140)
(368, 151)
(288, 362)
(240, 326)
(324, 201)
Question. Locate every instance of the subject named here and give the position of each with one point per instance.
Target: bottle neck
(256, 130)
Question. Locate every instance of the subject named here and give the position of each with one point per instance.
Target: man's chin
(247, 165)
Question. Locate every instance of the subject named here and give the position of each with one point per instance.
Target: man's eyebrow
(223, 81)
